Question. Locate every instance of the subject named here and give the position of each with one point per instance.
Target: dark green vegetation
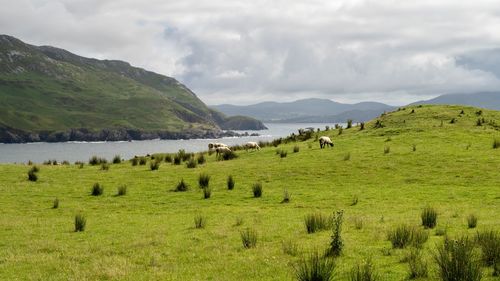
(149, 234)
(49, 94)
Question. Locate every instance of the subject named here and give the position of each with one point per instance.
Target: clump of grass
(32, 174)
(177, 160)
(472, 221)
(230, 182)
(200, 221)
(55, 203)
(80, 223)
(429, 217)
(117, 159)
(168, 158)
(316, 267)
(181, 186)
(143, 161)
(65, 162)
(336, 243)
(191, 163)
(358, 223)
(363, 272)
(283, 153)
(361, 126)
(207, 192)
(290, 248)
(453, 121)
(296, 149)
(286, 197)
(201, 159)
(378, 125)
(489, 242)
(104, 166)
(349, 124)
(340, 130)
(414, 147)
(154, 165)
(387, 149)
(419, 237)
(355, 200)
(249, 238)
(97, 189)
(134, 161)
(227, 155)
(496, 143)
(417, 266)
(203, 180)
(315, 222)
(257, 189)
(456, 260)
(94, 160)
(122, 190)
(404, 235)
(347, 156)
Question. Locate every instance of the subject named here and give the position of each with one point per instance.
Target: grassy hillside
(48, 90)
(149, 233)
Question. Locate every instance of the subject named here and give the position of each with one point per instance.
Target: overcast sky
(244, 52)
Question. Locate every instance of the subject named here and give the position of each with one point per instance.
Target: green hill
(49, 94)
(382, 177)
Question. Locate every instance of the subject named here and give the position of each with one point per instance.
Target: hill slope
(149, 233)
(489, 100)
(318, 110)
(49, 94)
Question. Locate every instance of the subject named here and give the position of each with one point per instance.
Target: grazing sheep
(251, 145)
(323, 141)
(221, 150)
(214, 145)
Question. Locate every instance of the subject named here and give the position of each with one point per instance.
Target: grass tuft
(80, 223)
(429, 217)
(363, 272)
(404, 235)
(55, 203)
(296, 149)
(191, 163)
(472, 221)
(122, 190)
(154, 165)
(104, 166)
(230, 182)
(417, 266)
(496, 143)
(201, 159)
(387, 149)
(117, 159)
(286, 197)
(97, 189)
(207, 192)
(181, 186)
(32, 176)
(290, 248)
(249, 238)
(203, 180)
(315, 222)
(347, 156)
(315, 268)
(456, 260)
(257, 189)
(489, 242)
(200, 221)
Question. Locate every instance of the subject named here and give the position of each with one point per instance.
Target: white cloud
(248, 51)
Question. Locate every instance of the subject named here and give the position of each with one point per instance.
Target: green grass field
(150, 234)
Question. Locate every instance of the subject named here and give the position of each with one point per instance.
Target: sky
(244, 52)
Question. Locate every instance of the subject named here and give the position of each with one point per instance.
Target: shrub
(32, 175)
(315, 268)
(97, 189)
(201, 159)
(181, 186)
(387, 149)
(168, 158)
(257, 189)
(290, 248)
(286, 197)
(283, 153)
(347, 156)
(471, 221)
(496, 144)
(117, 159)
(207, 192)
(361, 126)
(94, 160)
(400, 237)
(55, 203)
(429, 217)
(230, 182)
(177, 160)
(154, 165)
(336, 243)
(143, 160)
(358, 223)
(316, 222)
(296, 149)
(489, 242)
(104, 166)
(456, 260)
(134, 161)
(355, 200)
(191, 163)
(80, 223)
(122, 190)
(200, 221)
(417, 266)
(249, 238)
(363, 272)
(349, 123)
(227, 155)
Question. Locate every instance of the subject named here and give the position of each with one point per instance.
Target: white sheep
(323, 141)
(222, 149)
(251, 145)
(214, 145)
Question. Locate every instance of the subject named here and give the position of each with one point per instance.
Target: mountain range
(50, 94)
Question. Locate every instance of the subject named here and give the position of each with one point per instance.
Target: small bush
(355, 200)
(143, 161)
(283, 153)
(316, 222)
(55, 203)
(296, 149)
(80, 223)
(417, 266)
(230, 182)
(472, 221)
(168, 158)
(290, 248)
(257, 189)
(177, 160)
(134, 161)
(203, 180)
(207, 192)
(122, 190)
(32, 175)
(227, 155)
(315, 268)
(97, 189)
(249, 238)
(347, 156)
(496, 144)
(201, 159)
(181, 186)
(456, 260)
(286, 197)
(154, 165)
(387, 149)
(429, 217)
(363, 272)
(117, 159)
(336, 243)
(200, 221)
(349, 124)
(489, 242)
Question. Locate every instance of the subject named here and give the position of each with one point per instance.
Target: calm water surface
(82, 151)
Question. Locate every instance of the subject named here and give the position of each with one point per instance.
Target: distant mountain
(307, 110)
(50, 94)
(489, 100)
